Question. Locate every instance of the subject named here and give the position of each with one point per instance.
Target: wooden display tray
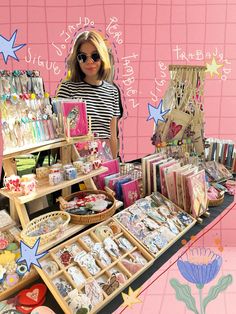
(170, 243)
(44, 188)
(105, 271)
(25, 281)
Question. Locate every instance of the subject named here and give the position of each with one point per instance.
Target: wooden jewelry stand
(188, 85)
(68, 154)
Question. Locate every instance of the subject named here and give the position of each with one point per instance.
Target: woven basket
(95, 218)
(34, 224)
(217, 202)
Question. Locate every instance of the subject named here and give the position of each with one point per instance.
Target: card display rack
(104, 272)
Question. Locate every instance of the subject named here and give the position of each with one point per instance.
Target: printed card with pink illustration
(75, 118)
(113, 167)
(179, 184)
(144, 172)
(185, 190)
(198, 193)
(175, 126)
(113, 181)
(149, 170)
(170, 181)
(131, 192)
(162, 176)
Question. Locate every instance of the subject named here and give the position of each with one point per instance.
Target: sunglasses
(82, 57)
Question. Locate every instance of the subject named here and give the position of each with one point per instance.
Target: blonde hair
(76, 74)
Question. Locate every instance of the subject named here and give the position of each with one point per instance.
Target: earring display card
(155, 222)
(92, 268)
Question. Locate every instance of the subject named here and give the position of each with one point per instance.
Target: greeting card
(162, 177)
(113, 167)
(75, 118)
(170, 181)
(149, 170)
(198, 193)
(131, 192)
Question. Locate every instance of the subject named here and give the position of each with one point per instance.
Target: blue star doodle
(29, 254)
(7, 48)
(156, 113)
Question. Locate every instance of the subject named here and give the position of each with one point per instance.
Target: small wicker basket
(90, 219)
(217, 202)
(34, 224)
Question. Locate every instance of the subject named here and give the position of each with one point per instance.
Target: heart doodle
(174, 130)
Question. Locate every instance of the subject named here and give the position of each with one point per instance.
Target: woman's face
(90, 67)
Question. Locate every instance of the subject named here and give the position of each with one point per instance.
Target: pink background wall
(150, 29)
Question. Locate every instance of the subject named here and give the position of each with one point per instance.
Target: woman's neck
(92, 81)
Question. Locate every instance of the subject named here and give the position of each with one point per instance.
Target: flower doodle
(199, 266)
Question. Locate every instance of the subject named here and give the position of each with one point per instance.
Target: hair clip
(150, 224)
(78, 302)
(172, 226)
(149, 242)
(116, 229)
(103, 232)
(65, 257)
(88, 241)
(94, 292)
(111, 247)
(77, 275)
(185, 219)
(138, 258)
(99, 252)
(132, 267)
(124, 244)
(62, 286)
(160, 240)
(85, 259)
(51, 268)
(111, 285)
(166, 233)
(156, 216)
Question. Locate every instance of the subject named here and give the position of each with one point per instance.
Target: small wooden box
(105, 272)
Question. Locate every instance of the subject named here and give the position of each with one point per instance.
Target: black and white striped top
(102, 102)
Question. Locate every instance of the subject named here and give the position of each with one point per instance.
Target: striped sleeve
(64, 90)
(116, 109)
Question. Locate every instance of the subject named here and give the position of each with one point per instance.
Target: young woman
(90, 68)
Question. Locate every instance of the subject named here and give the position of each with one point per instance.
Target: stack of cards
(220, 151)
(183, 185)
(125, 186)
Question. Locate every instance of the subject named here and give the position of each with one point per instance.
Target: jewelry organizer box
(155, 222)
(89, 270)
